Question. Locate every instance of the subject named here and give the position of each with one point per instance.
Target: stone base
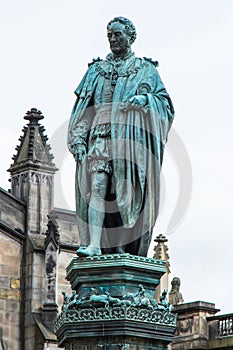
(116, 343)
(113, 305)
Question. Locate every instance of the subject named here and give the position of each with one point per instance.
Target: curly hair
(129, 27)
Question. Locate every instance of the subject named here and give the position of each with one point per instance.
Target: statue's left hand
(138, 101)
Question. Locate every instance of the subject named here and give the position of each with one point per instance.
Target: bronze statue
(117, 134)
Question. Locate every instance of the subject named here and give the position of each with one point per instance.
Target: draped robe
(138, 137)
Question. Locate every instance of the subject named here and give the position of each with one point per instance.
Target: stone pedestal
(192, 330)
(113, 306)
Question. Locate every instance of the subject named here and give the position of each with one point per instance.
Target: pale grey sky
(45, 48)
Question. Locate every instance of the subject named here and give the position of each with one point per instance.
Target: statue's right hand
(80, 153)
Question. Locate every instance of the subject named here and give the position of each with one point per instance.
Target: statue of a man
(175, 297)
(117, 134)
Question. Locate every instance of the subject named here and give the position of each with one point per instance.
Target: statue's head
(175, 282)
(121, 34)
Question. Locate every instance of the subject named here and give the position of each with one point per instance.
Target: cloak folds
(138, 138)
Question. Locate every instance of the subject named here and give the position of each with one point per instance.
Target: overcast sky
(45, 48)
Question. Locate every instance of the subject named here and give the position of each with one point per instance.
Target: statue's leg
(96, 213)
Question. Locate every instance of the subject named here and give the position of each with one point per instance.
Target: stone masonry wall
(10, 296)
(63, 285)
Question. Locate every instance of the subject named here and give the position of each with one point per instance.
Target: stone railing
(220, 326)
(220, 332)
(225, 325)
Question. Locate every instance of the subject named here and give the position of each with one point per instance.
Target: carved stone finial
(34, 115)
(175, 297)
(161, 249)
(52, 234)
(161, 238)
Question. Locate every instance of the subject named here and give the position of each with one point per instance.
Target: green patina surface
(117, 134)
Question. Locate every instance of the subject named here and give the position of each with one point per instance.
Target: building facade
(37, 241)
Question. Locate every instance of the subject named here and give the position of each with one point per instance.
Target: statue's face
(175, 282)
(118, 38)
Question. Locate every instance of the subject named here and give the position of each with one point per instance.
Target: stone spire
(32, 172)
(33, 150)
(161, 253)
